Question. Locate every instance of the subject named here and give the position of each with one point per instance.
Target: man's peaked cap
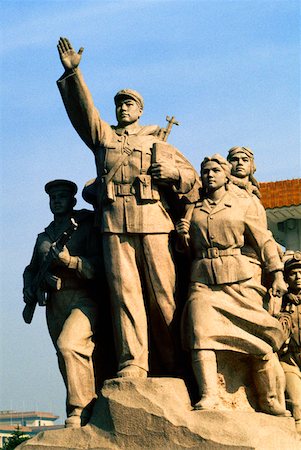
(131, 94)
(61, 184)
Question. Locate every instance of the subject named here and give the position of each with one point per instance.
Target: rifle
(164, 132)
(39, 294)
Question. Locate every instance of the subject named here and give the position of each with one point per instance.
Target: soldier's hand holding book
(164, 171)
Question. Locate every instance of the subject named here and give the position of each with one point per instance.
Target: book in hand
(163, 152)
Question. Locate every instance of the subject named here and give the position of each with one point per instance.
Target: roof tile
(275, 194)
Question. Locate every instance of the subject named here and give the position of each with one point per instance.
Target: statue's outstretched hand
(69, 58)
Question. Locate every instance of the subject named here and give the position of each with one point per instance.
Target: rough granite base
(156, 413)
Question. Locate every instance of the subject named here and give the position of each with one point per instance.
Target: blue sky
(227, 70)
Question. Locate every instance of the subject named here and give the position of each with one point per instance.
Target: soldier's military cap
(292, 262)
(61, 184)
(131, 94)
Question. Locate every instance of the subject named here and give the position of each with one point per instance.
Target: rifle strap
(125, 154)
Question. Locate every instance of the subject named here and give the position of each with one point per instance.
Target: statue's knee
(65, 346)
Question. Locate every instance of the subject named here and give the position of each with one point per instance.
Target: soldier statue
(290, 354)
(133, 215)
(71, 308)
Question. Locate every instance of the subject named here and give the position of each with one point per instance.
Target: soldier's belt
(142, 188)
(124, 189)
(214, 252)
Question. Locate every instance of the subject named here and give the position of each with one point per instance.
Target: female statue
(225, 310)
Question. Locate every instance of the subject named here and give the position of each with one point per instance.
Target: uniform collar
(146, 130)
(127, 131)
(210, 206)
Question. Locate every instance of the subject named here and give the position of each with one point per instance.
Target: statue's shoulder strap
(125, 154)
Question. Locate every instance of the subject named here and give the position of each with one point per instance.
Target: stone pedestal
(156, 413)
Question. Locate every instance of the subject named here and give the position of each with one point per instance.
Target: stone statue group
(167, 264)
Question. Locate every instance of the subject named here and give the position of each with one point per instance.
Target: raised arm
(78, 99)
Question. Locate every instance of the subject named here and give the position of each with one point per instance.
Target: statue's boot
(280, 380)
(297, 415)
(205, 370)
(298, 426)
(265, 379)
(79, 416)
(293, 389)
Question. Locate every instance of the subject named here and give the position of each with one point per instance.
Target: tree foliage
(15, 439)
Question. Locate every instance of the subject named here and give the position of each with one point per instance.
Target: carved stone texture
(131, 209)
(65, 265)
(236, 389)
(290, 317)
(156, 413)
(224, 310)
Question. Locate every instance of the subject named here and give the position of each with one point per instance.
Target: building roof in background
(9, 429)
(27, 414)
(275, 194)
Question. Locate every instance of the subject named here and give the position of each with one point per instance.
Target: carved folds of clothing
(291, 359)
(224, 310)
(72, 311)
(137, 202)
(134, 221)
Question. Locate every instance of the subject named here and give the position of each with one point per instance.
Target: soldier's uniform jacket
(291, 357)
(218, 232)
(84, 243)
(135, 203)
